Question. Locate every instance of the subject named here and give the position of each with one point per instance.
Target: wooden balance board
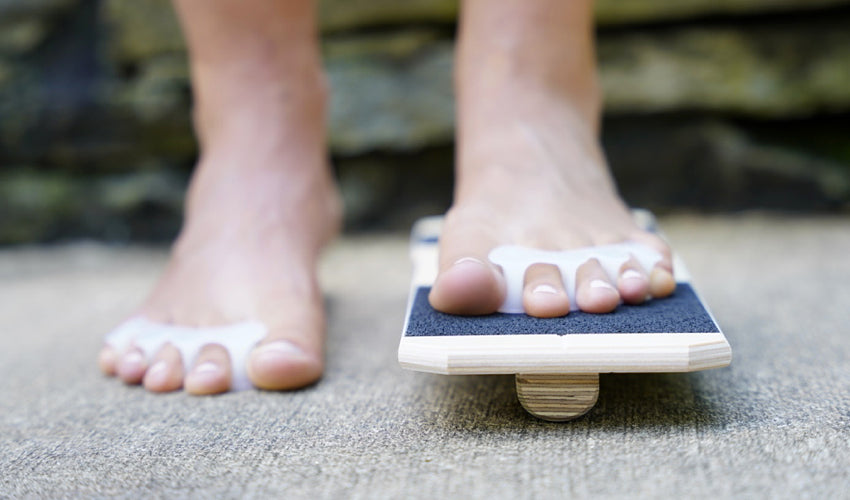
(557, 361)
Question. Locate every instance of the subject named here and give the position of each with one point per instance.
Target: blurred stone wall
(710, 104)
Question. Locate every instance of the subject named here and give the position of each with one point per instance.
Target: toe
(166, 372)
(633, 282)
(211, 372)
(469, 286)
(661, 282)
(467, 282)
(131, 366)
(594, 291)
(544, 295)
(285, 361)
(658, 244)
(107, 360)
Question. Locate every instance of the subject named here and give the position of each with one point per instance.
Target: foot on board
(557, 360)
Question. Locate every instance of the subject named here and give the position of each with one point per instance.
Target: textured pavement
(775, 424)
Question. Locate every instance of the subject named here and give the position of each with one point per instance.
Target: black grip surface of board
(682, 312)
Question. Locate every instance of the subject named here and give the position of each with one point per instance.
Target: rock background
(710, 105)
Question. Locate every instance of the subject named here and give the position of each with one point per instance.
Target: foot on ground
(260, 207)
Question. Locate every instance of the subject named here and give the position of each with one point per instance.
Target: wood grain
(580, 353)
(557, 397)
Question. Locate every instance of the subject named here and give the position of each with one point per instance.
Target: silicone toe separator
(237, 339)
(515, 260)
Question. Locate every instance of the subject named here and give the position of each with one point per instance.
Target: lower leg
(530, 170)
(261, 203)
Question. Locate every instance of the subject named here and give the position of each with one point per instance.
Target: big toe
(280, 364)
(469, 287)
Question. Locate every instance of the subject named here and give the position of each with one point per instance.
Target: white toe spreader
(238, 339)
(515, 260)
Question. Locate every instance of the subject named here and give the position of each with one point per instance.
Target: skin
(262, 203)
(530, 170)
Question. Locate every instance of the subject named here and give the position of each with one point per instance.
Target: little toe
(633, 282)
(107, 360)
(594, 291)
(166, 372)
(661, 282)
(131, 366)
(658, 244)
(544, 295)
(280, 364)
(469, 286)
(211, 372)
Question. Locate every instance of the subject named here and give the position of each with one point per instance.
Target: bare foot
(248, 251)
(522, 193)
(261, 205)
(530, 169)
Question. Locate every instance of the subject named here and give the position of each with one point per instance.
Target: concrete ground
(775, 424)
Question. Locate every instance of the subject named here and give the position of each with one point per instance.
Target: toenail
(629, 274)
(206, 367)
(545, 289)
(469, 259)
(279, 348)
(661, 272)
(601, 284)
(133, 358)
(157, 373)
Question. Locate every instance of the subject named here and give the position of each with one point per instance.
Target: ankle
(244, 204)
(528, 96)
(261, 109)
(259, 93)
(542, 52)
